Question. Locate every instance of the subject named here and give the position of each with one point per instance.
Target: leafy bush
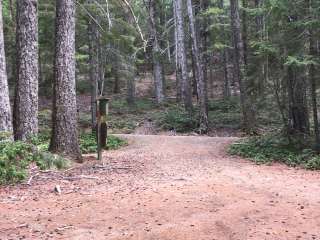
(269, 148)
(115, 143)
(313, 163)
(15, 158)
(5, 135)
(176, 118)
(41, 140)
(88, 143)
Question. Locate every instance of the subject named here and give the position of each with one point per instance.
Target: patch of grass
(275, 147)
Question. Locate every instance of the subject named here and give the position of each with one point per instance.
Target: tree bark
(201, 84)
(298, 114)
(245, 33)
(298, 110)
(26, 95)
(185, 82)
(203, 39)
(5, 108)
(313, 79)
(225, 57)
(93, 36)
(177, 56)
(248, 112)
(131, 86)
(64, 138)
(131, 69)
(156, 54)
(116, 87)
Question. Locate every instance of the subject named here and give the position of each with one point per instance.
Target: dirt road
(166, 188)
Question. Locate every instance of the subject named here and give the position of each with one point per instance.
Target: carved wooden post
(102, 112)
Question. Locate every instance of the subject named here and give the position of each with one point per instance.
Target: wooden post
(102, 112)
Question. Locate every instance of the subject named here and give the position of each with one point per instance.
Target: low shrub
(123, 124)
(115, 143)
(176, 118)
(275, 147)
(88, 143)
(16, 157)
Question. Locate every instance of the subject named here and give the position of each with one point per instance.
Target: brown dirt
(166, 188)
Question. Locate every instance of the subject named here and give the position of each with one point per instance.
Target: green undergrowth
(175, 117)
(16, 157)
(275, 147)
(172, 116)
(225, 113)
(88, 143)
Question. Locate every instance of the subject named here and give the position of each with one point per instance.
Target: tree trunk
(5, 109)
(245, 33)
(185, 82)
(64, 138)
(298, 111)
(226, 87)
(298, 115)
(26, 96)
(177, 56)
(131, 69)
(116, 87)
(201, 84)
(156, 54)
(203, 40)
(240, 70)
(94, 70)
(131, 85)
(313, 79)
(259, 35)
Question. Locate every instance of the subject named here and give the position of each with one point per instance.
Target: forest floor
(165, 188)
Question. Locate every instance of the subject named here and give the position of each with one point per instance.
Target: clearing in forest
(161, 187)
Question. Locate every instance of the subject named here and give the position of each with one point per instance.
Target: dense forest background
(216, 67)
